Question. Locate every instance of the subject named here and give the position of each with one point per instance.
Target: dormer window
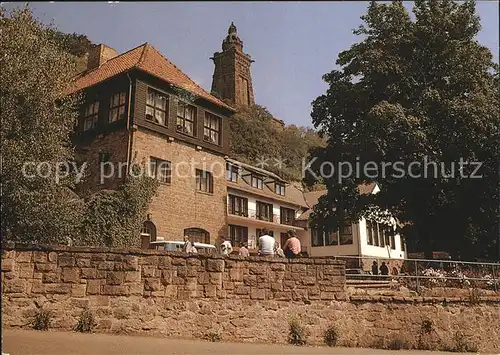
(257, 182)
(280, 189)
(212, 128)
(231, 173)
(117, 107)
(157, 107)
(91, 116)
(186, 118)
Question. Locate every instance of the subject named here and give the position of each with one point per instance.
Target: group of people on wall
(267, 246)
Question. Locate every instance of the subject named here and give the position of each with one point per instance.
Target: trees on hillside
(256, 136)
(34, 129)
(416, 90)
(36, 206)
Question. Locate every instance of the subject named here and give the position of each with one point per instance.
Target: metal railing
(415, 273)
(274, 218)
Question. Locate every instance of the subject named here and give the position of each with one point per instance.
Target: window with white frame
(257, 182)
(231, 173)
(91, 117)
(317, 237)
(204, 181)
(157, 107)
(161, 170)
(186, 118)
(345, 232)
(212, 128)
(117, 107)
(280, 189)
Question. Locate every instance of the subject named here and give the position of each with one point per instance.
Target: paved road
(27, 342)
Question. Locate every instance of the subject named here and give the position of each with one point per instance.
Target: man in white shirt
(266, 243)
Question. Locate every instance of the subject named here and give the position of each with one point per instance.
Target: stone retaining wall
(137, 291)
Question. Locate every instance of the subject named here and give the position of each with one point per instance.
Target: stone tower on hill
(232, 80)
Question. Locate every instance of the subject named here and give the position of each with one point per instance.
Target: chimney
(99, 55)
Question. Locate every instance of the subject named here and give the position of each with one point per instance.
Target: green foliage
(331, 336)
(113, 218)
(86, 321)
(42, 319)
(73, 43)
(298, 333)
(415, 88)
(398, 342)
(213, 335)
(256, 135)
(35, 129)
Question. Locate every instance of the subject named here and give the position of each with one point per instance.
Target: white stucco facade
(252, 223)
(360, 245)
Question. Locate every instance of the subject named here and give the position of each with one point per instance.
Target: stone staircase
(376, 288)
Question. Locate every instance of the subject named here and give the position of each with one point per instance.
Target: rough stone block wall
(247, 300)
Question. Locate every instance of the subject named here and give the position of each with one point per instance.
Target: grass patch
(86, 322)
(42, 319)
(298, 333)
(331, 336)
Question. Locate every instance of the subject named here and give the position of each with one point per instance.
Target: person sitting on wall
(384, 270)
(189, 246)
(374, 268)
(266, 243)
(244, 250)
(226, 248)
(292, 247)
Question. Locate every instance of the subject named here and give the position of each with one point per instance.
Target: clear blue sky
(293, 43)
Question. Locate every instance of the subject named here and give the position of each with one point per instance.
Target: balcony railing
(252, 214)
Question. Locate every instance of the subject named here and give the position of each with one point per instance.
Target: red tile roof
(147, 59)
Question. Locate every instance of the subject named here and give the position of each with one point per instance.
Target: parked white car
(177, 245)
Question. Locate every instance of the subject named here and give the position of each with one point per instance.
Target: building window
(212, 128)
(317, 239)
(161, 170)
(186, 118)
(91, 116)
(197, 235)
(157, 107)
(264, 211)
(204, 181)
(238, 235)
(381, 237)
(369, 231)
(287, 216)
(257, 182)
(332, 237)
(231, 173)
(345, 232)
(376, 235)
(117, 107)
(280, 189)
(392, 235)
(238, 205)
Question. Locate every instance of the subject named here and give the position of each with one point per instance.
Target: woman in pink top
(292, 246)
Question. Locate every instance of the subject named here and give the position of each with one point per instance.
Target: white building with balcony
(258, 199)
(365, 239)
